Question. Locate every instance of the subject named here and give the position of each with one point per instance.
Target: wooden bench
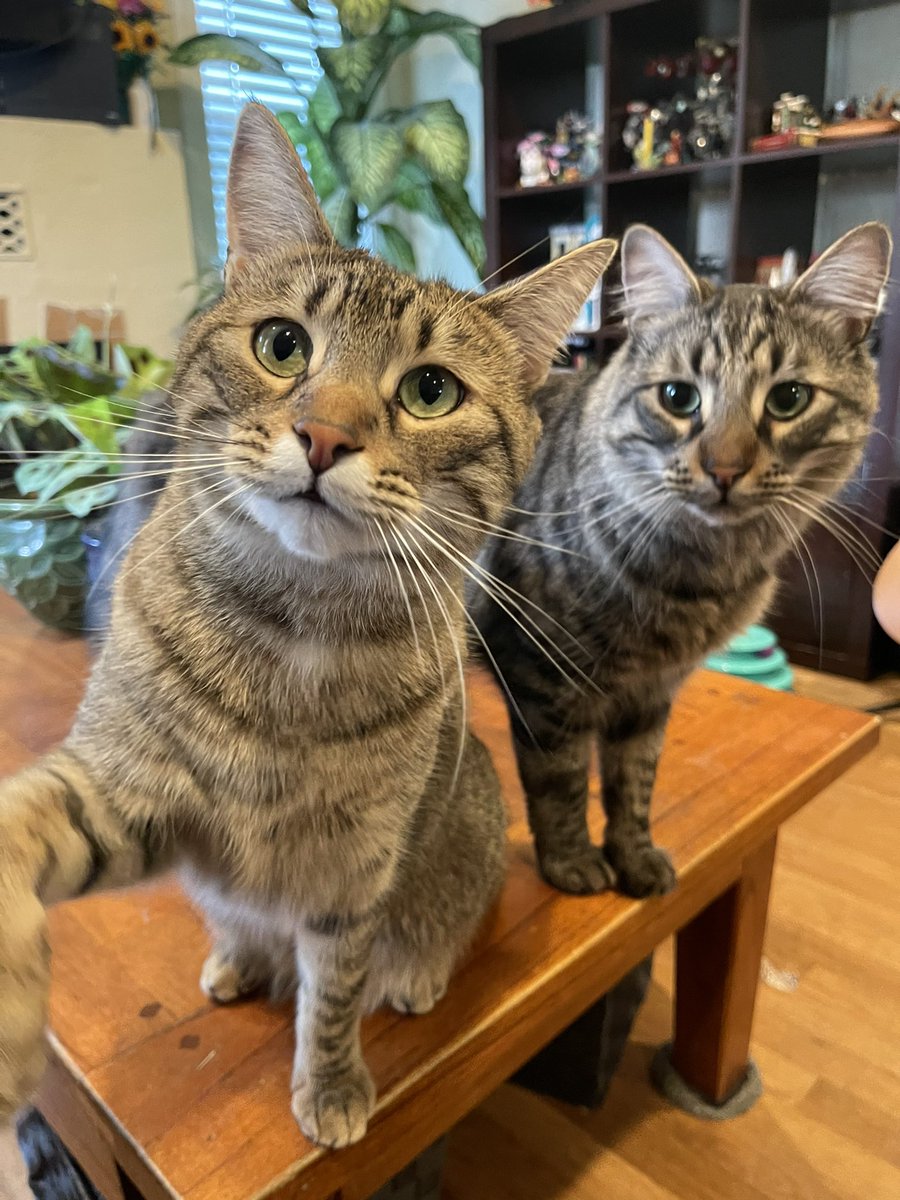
(159, 1094)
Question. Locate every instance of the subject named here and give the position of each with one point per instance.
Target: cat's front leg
(556, 788)
(59, 837)
(629, 753)
(333, 1092)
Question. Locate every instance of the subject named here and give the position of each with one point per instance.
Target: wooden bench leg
(707, 1070)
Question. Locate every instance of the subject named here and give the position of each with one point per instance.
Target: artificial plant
(363, 158)
(64, 414)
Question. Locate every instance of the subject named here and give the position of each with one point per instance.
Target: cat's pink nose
(325, 443)
(725, 477)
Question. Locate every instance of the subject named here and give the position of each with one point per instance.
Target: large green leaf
(355, 68)
(406, 27)
(324, 106)
(68, 379)
(362, 17)
(437, 135)
(221, 47)
(322, 170)
(96, 422)
(395, 248)
(368, 154)
(463, 220)
(341, 214)
(412, 190)
(43, 478)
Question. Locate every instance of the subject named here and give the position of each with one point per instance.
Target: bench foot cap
(680, 1093)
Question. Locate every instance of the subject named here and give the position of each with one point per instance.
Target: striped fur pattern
(279, 703)
(655, 537)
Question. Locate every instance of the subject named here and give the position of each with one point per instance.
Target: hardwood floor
(829, 1050)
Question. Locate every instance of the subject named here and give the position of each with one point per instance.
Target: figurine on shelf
(686, 128)
(533, 169)
(573, 154)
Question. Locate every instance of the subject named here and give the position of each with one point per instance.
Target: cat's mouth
(310, 496)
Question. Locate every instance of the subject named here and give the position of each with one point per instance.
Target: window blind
(280, 29)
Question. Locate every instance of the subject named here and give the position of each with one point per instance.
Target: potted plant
(64, 414)
(363, 158)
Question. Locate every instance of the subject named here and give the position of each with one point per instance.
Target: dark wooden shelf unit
(590, 55)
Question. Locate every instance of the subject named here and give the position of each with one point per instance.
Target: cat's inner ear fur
(847, 278)
(655, 278)
(271, 202)
(539, 309)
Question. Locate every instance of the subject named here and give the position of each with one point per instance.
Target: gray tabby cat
(674, 482)
(279, 701)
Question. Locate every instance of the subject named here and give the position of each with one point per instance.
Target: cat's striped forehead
(367, 309)
(740, 330)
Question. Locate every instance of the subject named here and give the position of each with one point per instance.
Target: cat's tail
(60, 836)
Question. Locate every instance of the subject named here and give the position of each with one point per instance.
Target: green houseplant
(364, 159)
(64, 414)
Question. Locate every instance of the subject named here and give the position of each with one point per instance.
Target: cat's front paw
(24, 984)
(225, 979)
(642, 870)
(582, 873)
(334, 1111)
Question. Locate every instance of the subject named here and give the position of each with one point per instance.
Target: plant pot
(43, 562)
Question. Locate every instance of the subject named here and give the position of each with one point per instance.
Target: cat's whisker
(415, 569)
(464, 695)
(515, 597)
(206, 468)
(499, 593)
(464, 699)
(859, 556)
(480, 527)
(199, 517)
(839, 521)
(618, 510)
(656, 516)
(595, 498)
(796, 539)
(140, 424)
(403, 591)
(845, 510)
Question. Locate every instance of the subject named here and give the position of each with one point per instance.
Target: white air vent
(15, 239)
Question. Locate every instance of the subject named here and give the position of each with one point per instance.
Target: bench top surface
(196, 1096)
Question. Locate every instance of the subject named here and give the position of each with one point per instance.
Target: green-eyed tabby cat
(662, 497)
(279, 701)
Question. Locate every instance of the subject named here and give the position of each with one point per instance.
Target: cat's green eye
(788, 400)
(680, 399)
(430, 392)
(283, 347)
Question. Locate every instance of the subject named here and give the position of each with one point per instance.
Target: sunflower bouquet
(136, 40)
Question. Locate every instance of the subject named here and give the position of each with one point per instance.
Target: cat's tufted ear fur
(655, 278)
(847, 278)
(539, 309)
(271, 202)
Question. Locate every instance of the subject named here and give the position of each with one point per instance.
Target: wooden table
(160, 1094)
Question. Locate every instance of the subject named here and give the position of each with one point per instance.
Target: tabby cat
(650, 527)
(279, 701)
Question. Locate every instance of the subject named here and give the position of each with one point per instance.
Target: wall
(109, 223)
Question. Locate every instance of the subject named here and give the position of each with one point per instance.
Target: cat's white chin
(307, 529)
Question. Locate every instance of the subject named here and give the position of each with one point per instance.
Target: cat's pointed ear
(270, 199)
(539, 309)
(655, 278)
(848, 277)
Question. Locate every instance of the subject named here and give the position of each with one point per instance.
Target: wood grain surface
(193, 1099)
